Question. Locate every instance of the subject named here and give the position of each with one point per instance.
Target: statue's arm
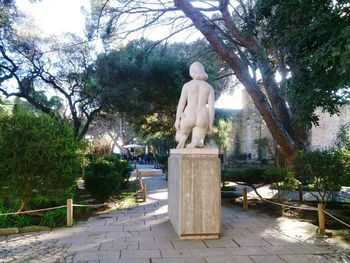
(211, 108)
(181, 106)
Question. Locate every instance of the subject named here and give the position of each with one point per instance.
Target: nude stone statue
(195, 110)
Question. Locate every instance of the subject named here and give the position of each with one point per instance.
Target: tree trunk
(273, 109)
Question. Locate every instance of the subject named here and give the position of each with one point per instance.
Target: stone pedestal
(194, 193)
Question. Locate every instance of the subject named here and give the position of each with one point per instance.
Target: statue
(195, 110)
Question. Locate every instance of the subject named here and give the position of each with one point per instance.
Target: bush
(102, 180)
(121, 166)
(324, 169)
(290, 183)
(162, 160)
(254, 176)
(39, 157)
(54, 218)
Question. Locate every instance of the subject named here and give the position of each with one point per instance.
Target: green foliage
(143, 81)
(343, 138)
(221, 132)
(325, 169)
(313, 39)
(290, 183)
(54, 218)
(254, 175)
(39, 156)
(121, 166)
(162, 160)
(102, 180)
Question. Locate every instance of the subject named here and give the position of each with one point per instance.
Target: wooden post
(300, 189)
(321, 219)
(245, 198)
(69, 212)
(144, 193)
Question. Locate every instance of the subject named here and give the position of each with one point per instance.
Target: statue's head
(197, 71)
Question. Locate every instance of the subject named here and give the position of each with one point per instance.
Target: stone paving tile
(189, 244)
(247, 251)
(232, 259)
(140, 239)
(265, 259)
(250, 242)
(279, 250)
(178, 260)
(209, 252)
(155, 244)
(126, 261)
(117, 245)
(93, 255)
(220, 243)
(281, 241)
(137, 228)
(309, 249)
(144, 253)
(84, 247)
(99, 229)
(313, 259)
(175, 253)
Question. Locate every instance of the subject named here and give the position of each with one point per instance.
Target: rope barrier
(33, 211)
(98, 205)
(63, 206)
(337, 219)
(289, 206)
(302, 208)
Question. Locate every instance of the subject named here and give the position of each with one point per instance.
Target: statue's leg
(198, 135)
(186, 123)
(182, 140)
(181, 136)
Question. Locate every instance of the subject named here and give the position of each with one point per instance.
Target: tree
(227, 26)
(143, 82)
(223, 125)
(324, 169)
(39, 156)
(32, 66)
(307, 44)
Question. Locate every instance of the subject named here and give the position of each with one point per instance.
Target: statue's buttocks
(195, 110)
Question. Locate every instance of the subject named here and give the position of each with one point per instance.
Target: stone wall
(251, 126)
(325, 133)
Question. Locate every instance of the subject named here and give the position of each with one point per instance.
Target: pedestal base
(194, 193)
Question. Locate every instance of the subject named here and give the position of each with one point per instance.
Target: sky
(55, 17)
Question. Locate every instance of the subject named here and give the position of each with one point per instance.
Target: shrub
(254, 176)
(324, 169)
(39, 156)
(102, 180)
(54, 218)
(162, 160)
(290, 183)
(121, 166)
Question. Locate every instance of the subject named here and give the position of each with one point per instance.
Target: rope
(336, 219)
(62, 206)
(98, 205)
(289, 206)
(302, 208)
(32, 211)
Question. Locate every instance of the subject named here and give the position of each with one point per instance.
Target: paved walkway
(144, 235)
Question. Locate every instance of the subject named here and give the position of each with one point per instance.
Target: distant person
(195, 110)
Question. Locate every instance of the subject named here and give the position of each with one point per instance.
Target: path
(144, 234)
